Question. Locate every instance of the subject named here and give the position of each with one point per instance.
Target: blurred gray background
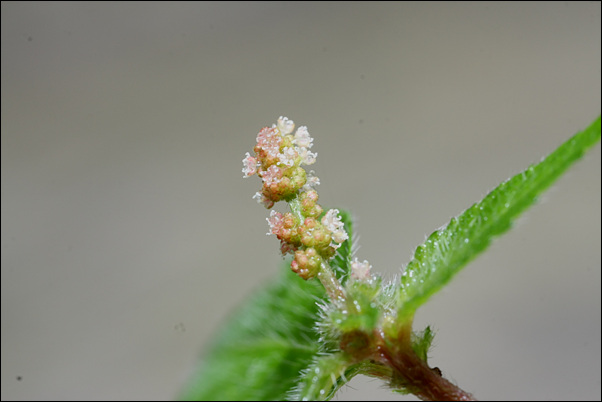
(129, 234)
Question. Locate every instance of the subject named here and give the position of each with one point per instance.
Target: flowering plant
(330, 317)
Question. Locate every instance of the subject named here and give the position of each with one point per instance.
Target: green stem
(333, 287)
(295, 207)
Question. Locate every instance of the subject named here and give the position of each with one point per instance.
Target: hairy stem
(412, 373)
(333, 287)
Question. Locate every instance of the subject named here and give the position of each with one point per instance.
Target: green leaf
(265, 346)
(261, 351)
(448, 250)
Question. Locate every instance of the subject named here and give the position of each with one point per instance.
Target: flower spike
(307, 232)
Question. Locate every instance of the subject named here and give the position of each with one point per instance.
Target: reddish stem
(414, 374)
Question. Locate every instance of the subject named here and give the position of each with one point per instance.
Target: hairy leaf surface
(265, 346)
(448, 250)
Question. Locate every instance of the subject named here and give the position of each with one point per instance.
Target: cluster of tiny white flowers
(270, 141)
(307, 157)
(333, 222)
(278, 157)
(288, 156)
(302, 138)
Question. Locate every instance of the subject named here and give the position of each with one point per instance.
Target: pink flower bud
(287, 248)
(306, 263)
(289, 220)
(272, 175)
(310, 223)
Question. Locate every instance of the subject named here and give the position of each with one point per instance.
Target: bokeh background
(129, 234)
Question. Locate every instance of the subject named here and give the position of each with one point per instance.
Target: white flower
(339, 236)
(333, 222)
(302, 138)
(288, 156)
(249, 165)
(360, 270)
(311, 182)
(285, 126)
(307, 157)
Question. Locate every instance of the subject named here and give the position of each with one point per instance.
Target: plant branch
(333, 287)
(412, 373)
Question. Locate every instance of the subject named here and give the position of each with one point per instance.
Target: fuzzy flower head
(279, 156)
(302, 138)
(306, 232)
